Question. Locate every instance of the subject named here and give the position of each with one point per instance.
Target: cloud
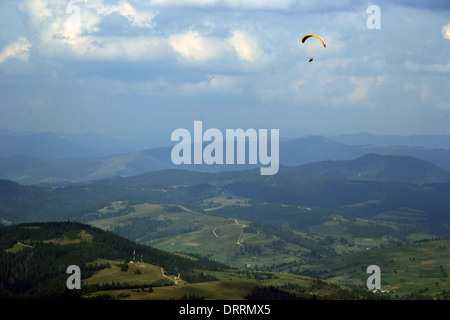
(140, 18)
(248, 4)
(426, 91)
(220, 81)
(363, 85)
(431, 68)
(429, 5)
(246, 47)
(381, 79)
(74, 29)
(37, 11)
(297, 84)
(81, 29)
(446, 31)
(212, 84)
(192, 45)
(215, 84)
(17, 50)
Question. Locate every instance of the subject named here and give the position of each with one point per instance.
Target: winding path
(175, 281)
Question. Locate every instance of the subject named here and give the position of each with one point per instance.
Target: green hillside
(34, 258)
(415, 271)
(240, 220)
(254, 236)
(363, 199)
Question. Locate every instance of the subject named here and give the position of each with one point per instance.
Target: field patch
(216, 290)
(137, 274)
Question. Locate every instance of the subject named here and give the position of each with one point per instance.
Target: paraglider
(315, 36)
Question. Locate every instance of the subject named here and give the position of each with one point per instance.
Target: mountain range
(49, 159)
(365, 199)
(375, 167)
(426, 141)
(329, 202)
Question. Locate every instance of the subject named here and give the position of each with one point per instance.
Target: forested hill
(20, 203)
(375, 167)
(39, 253)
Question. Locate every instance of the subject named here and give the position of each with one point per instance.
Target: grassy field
(232, 284)
(149, 274)
(143, 210)
(220, 238)
(305, 286)
(216, 290)
(231, 244)
(83, 236)
(165, 288)
(418, 269)
(178, 219)
(17, 247)
(223, 200)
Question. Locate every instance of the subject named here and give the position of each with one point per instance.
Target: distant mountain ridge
(73, 163)
(427, 141)
(375, 167)
(43, 145)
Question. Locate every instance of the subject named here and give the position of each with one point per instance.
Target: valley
(307, 232)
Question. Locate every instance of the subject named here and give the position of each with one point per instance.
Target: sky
(128, 68)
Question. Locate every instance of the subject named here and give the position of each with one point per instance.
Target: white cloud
(37, 11)
(140, 18)
(363, 85)
(196, 47)
(17, 50)
(246, 47)
(75, 30)
(192, 45)
(72, 29)
(220, 81)
(446, 31)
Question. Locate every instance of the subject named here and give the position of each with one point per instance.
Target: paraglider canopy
(313, 35)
